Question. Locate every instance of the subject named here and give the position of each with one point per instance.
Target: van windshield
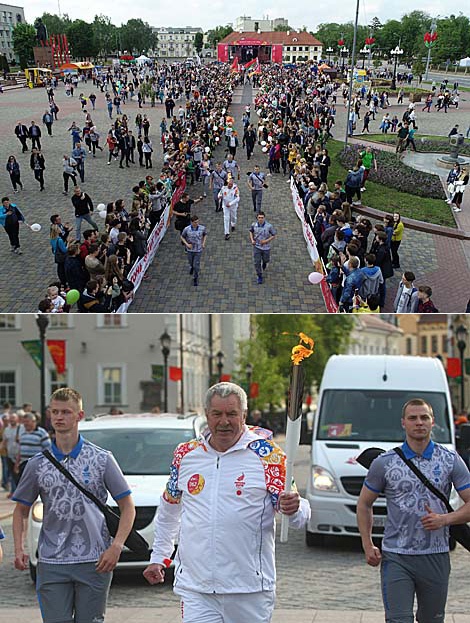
(368, 415)
(145, 452)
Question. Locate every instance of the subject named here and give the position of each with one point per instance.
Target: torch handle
(292, 442)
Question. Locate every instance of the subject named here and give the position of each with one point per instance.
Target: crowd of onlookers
(95, 263)
(297, 109)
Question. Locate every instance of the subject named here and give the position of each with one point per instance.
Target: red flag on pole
(453, 367)
(176, 373)
(57, 351)
(225, 378)
(254, 390)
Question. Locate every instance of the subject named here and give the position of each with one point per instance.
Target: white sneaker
(457, 209)
(449, 201)
(363, 190)
(357, 203)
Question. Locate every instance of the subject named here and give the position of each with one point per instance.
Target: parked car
(143, 446)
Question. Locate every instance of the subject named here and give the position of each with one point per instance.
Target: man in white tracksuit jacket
(221, 499)
(230, 196)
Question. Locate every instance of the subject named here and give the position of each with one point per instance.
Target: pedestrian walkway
(173, 615)
(227, 280)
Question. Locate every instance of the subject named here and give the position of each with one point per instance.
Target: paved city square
(228, 279)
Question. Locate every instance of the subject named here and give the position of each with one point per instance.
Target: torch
(294, 415)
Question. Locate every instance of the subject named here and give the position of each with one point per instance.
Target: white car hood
(146, 490)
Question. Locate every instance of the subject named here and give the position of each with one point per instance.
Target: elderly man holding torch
(222, 497)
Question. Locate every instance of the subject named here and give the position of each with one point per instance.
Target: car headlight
(323, 480)
(38, 512)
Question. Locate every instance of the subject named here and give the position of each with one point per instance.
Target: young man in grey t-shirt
(75, 548)
(415, 547)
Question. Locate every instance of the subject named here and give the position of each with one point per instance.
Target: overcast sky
(214, 12)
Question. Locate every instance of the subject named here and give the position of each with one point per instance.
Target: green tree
(375, 25)
(24, 39)
(269, 351)
(282, 28)
(413, 27)
(55, 24)
(217, 34)
(198, 42)
(104, 35)
(453, 40)
(81, 40)
(137, 36)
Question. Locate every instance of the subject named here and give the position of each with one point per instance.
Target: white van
(359, 406)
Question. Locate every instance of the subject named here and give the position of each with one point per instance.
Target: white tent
(142, 59)
(465, 62)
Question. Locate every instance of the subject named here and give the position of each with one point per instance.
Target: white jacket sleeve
(301, 517)
(166, 528)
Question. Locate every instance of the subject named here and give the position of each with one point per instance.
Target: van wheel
(313, 539)
(32, 572)
(452, 544)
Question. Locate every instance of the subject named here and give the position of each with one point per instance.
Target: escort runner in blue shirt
(75, 546)
(415, 547)
(194, 239)
(261, 235)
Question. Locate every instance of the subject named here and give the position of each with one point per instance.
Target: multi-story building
(276, 47)
(372, 335)
(116, 360)
(10, 16)
(176, 42)
(245, 23)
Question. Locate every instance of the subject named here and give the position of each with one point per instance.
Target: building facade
(176, 42)
(116, 360)
(245, 23)
(275, 47)
(10, 16)
(373, 336)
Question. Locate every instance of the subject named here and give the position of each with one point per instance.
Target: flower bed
(393, 173)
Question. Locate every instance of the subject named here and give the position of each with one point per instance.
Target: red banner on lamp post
(57, 351)
(454, 368)
(254, 390)
(176, 373)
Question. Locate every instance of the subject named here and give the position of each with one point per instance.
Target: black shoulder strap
(427, 483)
(68, 475)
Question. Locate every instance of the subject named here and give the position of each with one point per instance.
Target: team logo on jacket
(240, 483)
(196, 484)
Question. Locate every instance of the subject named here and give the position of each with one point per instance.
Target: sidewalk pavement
(6, 506)
(173, 615)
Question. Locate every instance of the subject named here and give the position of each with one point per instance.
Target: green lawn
(390, 200)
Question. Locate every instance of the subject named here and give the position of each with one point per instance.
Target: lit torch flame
(303, 350)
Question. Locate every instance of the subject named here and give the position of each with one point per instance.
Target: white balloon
(36, 227)
(207, 150)
(263, 143)
(100, 207)
(217, 139)
(264, 149)
(102, 213)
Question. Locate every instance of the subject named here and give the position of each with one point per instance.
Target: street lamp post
(165, 341)
(364, 52)
(396, 53)
(329, 51)
(220, 364)
(42, 321)
(344, 54)
(249, 374)
(428, 60)
(461, 335)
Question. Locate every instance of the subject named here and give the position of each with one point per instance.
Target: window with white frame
(112, 384)
(111, 321)
(60, 321)
(9, 321)
(8, 386)
(56, 380)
